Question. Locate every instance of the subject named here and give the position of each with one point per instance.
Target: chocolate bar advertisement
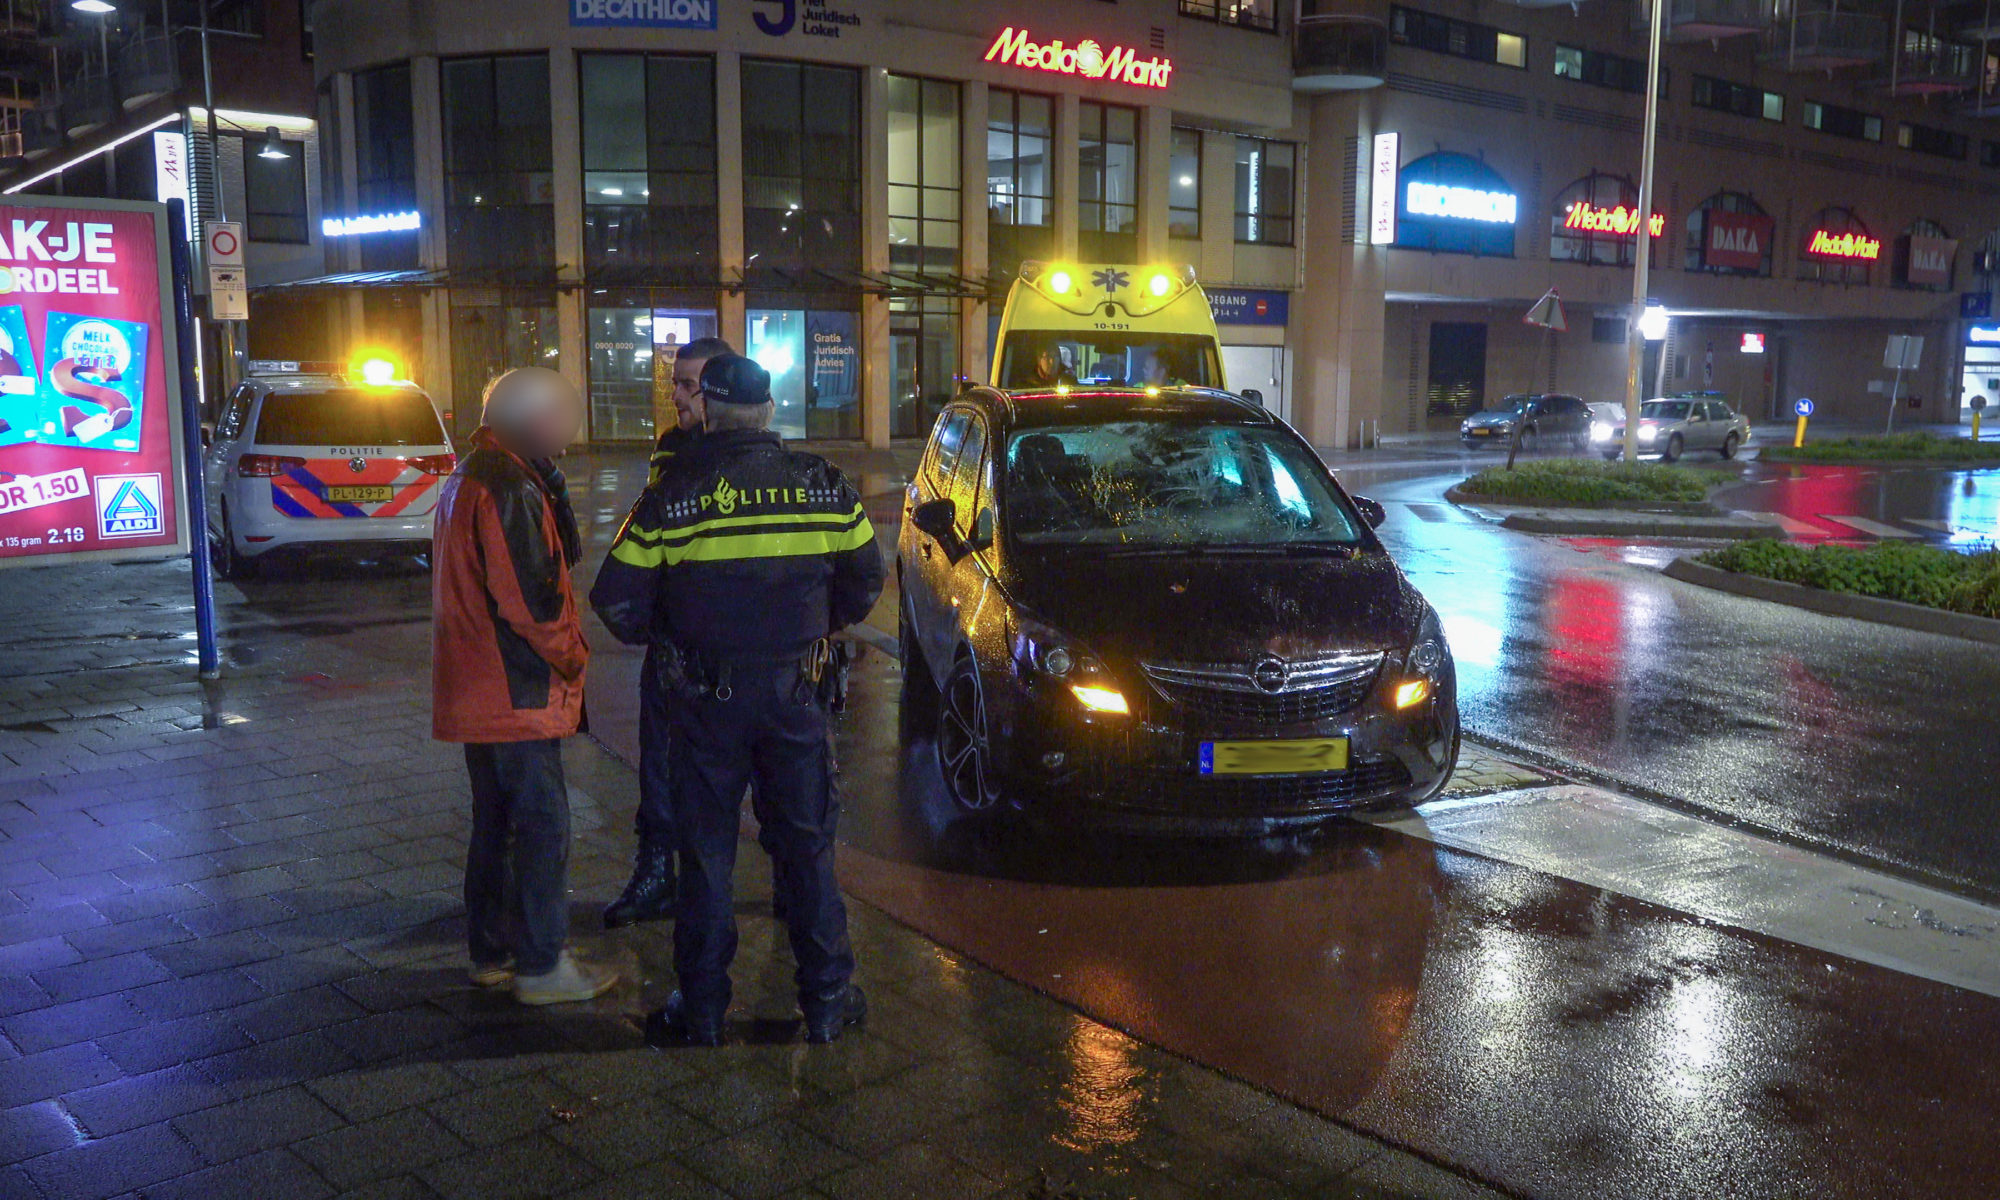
(89, 434)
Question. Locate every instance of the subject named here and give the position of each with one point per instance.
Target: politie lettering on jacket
(32, 241)
(727, 497)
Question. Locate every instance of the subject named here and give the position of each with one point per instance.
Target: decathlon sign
(1982, 335)
(1585, 217)
(1088, 59)
(1858, 247)
(643, 14)
(1460, 203)
(397, 222)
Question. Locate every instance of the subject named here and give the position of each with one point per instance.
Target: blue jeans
(765, 731)
(517, 865)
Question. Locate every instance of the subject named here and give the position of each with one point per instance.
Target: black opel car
(1157, 608)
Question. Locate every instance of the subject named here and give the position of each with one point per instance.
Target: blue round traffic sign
(1802, 406)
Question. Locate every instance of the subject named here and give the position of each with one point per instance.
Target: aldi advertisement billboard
(90, 423)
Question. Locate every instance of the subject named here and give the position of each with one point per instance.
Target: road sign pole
(1799, 434)
(207, 659)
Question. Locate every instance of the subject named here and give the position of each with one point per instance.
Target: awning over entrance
(900, 284)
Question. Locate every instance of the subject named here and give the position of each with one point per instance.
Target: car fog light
(1057, 661)
(1412, 693)
(1099, 699)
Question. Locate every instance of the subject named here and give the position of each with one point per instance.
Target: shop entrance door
(1458, 368)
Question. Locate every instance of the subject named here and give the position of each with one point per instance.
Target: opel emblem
(357, 465)
(1269, 675)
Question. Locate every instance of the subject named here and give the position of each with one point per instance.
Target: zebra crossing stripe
(1430, 512)
(1926, 523)
(1791, 525)
(1872, 528)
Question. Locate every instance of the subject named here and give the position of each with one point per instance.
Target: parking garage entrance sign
(91, 437)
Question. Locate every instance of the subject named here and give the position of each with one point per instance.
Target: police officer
(745, 556)
(650, 894)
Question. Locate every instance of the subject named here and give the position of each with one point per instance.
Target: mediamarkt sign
(1588, 218)
(1825, 244)
(1088, 59)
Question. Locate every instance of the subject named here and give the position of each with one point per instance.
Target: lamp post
(1642, 259)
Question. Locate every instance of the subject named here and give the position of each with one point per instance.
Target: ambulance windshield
(1044, 358)
(349, 417)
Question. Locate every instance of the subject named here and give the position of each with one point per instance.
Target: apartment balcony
(1342, 52)
(1705, 20)
(1825, 41)
(147, 68)
(88, 103)
(1940, 70)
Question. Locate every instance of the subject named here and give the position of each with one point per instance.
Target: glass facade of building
(924, 205)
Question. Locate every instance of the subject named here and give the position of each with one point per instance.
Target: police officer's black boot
(674, 1025)
(826, 1024)
(650, 895)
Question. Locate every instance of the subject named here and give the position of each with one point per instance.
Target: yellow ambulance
(1106, 325)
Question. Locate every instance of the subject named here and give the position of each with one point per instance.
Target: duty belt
(704, 675)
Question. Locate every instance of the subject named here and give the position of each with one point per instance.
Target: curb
(1675, 508)
(1838, 604)
(1724, 528)
(1900, 464)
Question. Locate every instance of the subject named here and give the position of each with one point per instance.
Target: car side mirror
(982, 530)
(1253, 396)
(1371, 511)
(936, 518)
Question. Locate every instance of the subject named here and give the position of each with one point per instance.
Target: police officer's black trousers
(654, 821)
(768, 729)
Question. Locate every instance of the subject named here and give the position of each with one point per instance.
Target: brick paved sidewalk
(231, 965)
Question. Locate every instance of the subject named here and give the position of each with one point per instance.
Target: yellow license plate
(1299, 756)
(360, 494)
(1482, 433)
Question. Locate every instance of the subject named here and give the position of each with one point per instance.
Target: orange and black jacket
(508, 654)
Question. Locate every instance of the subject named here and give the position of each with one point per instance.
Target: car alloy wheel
(1729, 446)
(1673, 450)
(230, 563)
(964, 751)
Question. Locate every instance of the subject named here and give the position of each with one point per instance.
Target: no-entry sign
(90, 422)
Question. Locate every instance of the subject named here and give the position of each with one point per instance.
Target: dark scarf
(558, 490)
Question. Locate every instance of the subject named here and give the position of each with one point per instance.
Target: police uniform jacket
(674, 441)
(742, 551)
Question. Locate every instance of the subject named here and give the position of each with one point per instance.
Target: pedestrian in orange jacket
(507, 662)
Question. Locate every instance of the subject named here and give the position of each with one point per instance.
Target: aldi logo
(129, 506)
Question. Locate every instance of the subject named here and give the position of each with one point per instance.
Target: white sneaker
(569, 983)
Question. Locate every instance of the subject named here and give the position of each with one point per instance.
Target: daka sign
(1737, 241)
(1930, 260)
(1087, 59)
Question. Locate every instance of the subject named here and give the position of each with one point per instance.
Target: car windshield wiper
(1201, 549)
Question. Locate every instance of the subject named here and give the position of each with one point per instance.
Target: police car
(307, 456)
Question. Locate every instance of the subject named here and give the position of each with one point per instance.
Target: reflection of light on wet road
(1101, 1093)
(1692, 1036)
(1472, 640)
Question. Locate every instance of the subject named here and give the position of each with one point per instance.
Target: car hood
(1221, 608)
(1490, 418)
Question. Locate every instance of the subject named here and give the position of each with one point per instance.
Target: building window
(1596, 220)
(1184, 184)
(1264, 191)
(801, 167)
(1613, 71)
(634, 335)
(1020, 139)
(1720, 95)
(385, 162)
(1250, 14)
(923, 174)
(814, 357)
(1607, 331)
(1926, 258)
(1927, 139)
(274, 192)
(1108, 203)
(1729, 234)
(1842, 122)
(1460, 39)
(1835, 247)
(649, 166)
(499, 195)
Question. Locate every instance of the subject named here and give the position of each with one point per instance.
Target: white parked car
(314, 460)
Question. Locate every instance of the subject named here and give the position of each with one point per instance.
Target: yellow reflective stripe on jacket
(731, 539)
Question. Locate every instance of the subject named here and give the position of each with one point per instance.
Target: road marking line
(1874, 528)
(1791, 525)
(1731, 876)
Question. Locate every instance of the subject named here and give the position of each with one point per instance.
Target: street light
(274, 146)
(1653, 323)
(1642, 258)
(94, 7)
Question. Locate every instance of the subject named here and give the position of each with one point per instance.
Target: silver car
(1672, 426)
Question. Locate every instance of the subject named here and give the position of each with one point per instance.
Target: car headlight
(1647, 433)
(1428, 651)
(1040, 648)
(1600, 432)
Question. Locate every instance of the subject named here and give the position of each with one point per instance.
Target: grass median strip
(1894, 447)
(1913, 574)
(1589, 483)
